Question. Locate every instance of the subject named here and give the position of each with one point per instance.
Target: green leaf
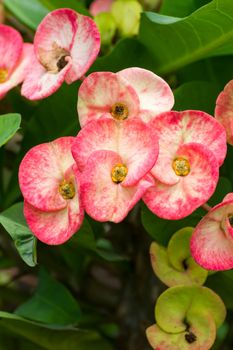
(9, 124)
(161, 230)
(72, 4)
(199, 95)
(52, 337)
(137, 56)
(222, 284)
(84, 240)
(181, 8)
(48, 306)
(15, 224)
(30, 12)
(176, 42)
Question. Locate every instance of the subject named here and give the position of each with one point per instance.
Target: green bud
(107, 27)
(127, 16)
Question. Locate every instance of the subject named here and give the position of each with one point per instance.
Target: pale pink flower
(192, 146)
(224, 110)
(15, 57)
(66, 44)
(99, 6)
(130, 93)
(49, 181)
(114, 159)
(212, 239)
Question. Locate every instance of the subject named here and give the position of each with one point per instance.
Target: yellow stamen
(118, 173)
(3, 75)
(119, 111)
(181, 166)
(66, 189)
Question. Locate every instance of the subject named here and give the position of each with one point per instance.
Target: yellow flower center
(181, 166)
(3, 75)
(118, 173)
(66, 189)
(119, 111)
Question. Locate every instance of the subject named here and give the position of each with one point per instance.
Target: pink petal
(211, 245)
(181, 199)
(98, 6)
(176, 128)
(85, 48)
(55, 227)
(20, 71)
(224, 110)
(42, 170)
(39, 83)
(131, 139)
(100, 91)
(56, 29)
(11, 46)
(154, 93)
(103, 199)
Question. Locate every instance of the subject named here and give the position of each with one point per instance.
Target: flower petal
(103, 199)
(39, 83)
(55, 227)
(11, 46)
(181, 199)
(131, 139)
(211, 246)
(100, 91)
(20, 71)
(42, 170)
(176, 128)
(154, 93)
(224, 110)
(57, 29)
(85, 48)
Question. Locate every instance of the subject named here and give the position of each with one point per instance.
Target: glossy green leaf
(51, 337)
(84, 241)
(176, 42)
(47, 306)
(30, 12)
(199, 95)
(72, 4)
(181, 8)
(14, 223)
(9, 124)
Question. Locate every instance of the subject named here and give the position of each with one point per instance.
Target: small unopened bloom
(66, 44)
(192, 146)
(212, 239)
(49, 181)
(15, 58)
(224, 110)
(130, 93)
(114, 160)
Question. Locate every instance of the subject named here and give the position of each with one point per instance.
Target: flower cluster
(131, 144)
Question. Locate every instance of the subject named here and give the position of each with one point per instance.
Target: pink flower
(212, 239)
(49, 182)
(192, 146)
(99, 6)
(224, 110)
(130, 93)
(15, 57)
(114, 159)
(66, 44)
